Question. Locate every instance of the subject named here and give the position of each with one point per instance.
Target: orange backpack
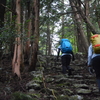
(95, 40)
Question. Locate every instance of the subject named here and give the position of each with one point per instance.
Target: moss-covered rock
(63, 97)
(21, 96)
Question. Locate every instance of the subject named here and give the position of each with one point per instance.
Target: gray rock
(81, 86)
(76, 97)
(33, 85)
(83, 91)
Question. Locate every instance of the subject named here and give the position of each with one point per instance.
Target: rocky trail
(48, 83)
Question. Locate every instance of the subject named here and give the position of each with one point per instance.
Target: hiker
(94, 61)
(65, 58)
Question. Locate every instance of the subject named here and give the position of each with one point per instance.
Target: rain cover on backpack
(66, 46)
(95, 40)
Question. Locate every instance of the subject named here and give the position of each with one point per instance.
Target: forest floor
(10, 84)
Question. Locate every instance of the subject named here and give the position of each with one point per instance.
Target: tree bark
(81, 36)
(29, 27)
(48, 40)
(17, 61)
(87, 15)
(34, 48)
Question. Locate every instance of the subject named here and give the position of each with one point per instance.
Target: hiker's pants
(96, 66)
(65, 60)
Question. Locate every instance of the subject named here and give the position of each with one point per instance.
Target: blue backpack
(66, 46)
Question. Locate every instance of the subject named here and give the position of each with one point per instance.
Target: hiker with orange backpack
(67, 53)
(94, 57)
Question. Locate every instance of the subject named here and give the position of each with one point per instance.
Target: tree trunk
(29, 27)
(13, 5)
(81, 36)
(48, 40)
(17, 60)
(34, 49)
(87, 15)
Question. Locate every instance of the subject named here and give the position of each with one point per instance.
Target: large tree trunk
(29, 27)
(17, 58)
(13, 5)
(81, 36)
(34, 49)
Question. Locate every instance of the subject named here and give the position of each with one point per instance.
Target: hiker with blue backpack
(67, 54)
(94, 57)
